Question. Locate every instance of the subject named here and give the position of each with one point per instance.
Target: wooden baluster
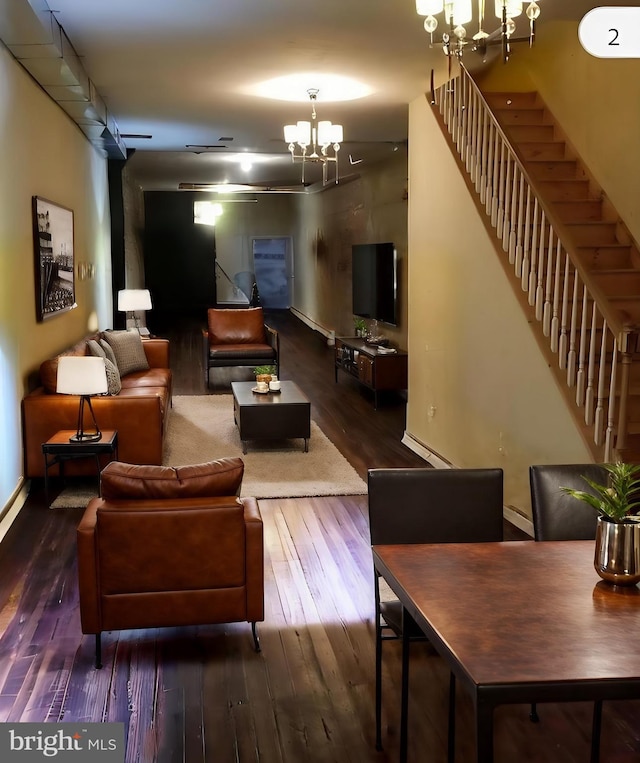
(512, 228)
(571, 358)
(546, 318)
(471, 135)
(539, 287)
(611, 411)
(497, 221)
(483, 160)
(519, 225)
(562, 342)
(628, 344)
(580, 375)
(527, 240)
(503, 230)
(591, 370)
(534, 254)
(555, 318)
(598, 423)
(492, 169)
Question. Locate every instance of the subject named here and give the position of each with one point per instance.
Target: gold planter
(617, 556)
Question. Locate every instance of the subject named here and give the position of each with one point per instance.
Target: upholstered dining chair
(559, 516)
(425, 505)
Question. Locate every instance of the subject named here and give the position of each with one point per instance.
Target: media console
(378, 371)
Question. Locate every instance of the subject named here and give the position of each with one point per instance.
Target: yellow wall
(480, 392)
(44, 154)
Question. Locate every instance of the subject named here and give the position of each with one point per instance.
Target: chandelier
(315, 142)
(457, 13)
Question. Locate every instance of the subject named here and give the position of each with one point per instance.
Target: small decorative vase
(263, 378)
(617, 555)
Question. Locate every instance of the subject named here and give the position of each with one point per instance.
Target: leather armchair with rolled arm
(168, 546)
(239, 337)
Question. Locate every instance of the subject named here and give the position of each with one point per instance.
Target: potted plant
(264, 373)
(360, 326)
(617, 553)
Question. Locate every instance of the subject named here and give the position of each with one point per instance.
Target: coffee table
(284, 415)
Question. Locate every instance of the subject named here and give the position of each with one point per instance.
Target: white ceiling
(183, 72)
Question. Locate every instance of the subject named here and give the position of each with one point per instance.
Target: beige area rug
(201, 428)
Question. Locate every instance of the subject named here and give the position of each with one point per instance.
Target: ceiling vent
(35, 38)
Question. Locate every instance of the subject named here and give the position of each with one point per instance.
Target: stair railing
(589, 338)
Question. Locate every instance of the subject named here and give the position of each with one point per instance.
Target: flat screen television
(374, 278)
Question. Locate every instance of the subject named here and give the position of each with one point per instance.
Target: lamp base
(84, 437)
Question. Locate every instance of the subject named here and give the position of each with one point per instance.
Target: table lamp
(82, 375)
(132, 300)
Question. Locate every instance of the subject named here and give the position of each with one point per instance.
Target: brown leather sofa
(239, 337)
(138, 412)
(167, 546)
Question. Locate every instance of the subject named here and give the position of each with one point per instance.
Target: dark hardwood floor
(203, 694)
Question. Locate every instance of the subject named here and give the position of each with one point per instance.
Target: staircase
(568, 254)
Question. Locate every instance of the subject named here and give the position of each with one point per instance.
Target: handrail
(587, 334)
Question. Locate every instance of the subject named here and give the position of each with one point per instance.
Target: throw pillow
(108, 353)
(95, 349)
(128, 349)
(114, 384)
(132, 481)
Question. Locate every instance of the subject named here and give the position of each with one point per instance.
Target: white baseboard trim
(508, 512)
(429, 455)
(13, 507)
(519, 520)
(329, 333)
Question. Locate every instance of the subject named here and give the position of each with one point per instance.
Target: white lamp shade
(130, 300)
(458, 12)
(291, 133)
(429, 7)
(514, 8)
(304, 133)
(337, 135)
(81, 375)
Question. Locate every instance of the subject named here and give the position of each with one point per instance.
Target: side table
(59, 449)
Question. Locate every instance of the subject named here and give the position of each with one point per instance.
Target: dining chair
(426, 505)
(559, 516)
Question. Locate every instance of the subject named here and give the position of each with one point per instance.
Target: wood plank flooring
(202, 694)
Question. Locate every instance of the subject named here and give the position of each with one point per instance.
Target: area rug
(201, 428)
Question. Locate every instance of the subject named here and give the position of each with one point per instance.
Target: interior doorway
(273, 267)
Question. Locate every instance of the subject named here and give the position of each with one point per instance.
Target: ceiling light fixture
(457, 13)
(305, 139)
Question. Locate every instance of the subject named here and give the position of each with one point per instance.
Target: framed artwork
(54, 258)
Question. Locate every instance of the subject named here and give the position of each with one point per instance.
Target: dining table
(518, 622)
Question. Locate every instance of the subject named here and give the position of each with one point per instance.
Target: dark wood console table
(375, 370)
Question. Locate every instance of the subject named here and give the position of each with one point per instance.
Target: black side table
(59, 449)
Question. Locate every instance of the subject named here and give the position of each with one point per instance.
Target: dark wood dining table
(519, 622)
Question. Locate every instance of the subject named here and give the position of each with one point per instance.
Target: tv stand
(375, 370)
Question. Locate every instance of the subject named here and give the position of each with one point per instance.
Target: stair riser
(528, 133)
(542, 151)
(574, 211)
(521, 117)
(565, 190)
(549, 170)
(618, 284)
(607, 258)
(593, 234)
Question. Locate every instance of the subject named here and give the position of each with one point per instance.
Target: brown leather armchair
(239, 337)
(168, 546)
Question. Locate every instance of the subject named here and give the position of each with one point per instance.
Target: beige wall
(480, 393)
(370, 209)
(44, 154)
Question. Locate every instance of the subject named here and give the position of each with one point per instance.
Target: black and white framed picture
(54, 263)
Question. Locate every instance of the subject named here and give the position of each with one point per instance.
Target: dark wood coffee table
(284, 415)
